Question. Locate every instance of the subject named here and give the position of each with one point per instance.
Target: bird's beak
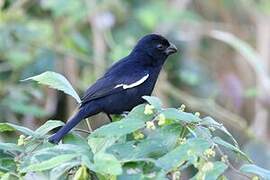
(171, 49)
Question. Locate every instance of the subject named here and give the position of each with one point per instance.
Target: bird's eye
(160, 47)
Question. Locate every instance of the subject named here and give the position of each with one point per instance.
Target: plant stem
(89, 125)
(82, 130)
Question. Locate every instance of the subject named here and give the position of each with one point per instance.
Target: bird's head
(156, 46)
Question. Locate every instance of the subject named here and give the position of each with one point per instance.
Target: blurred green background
(222, 69)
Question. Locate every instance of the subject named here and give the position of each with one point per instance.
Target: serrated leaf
(49, 153)
(208, 121)
(48, 126)
(100, 144)
(221, 142)
(107, 164)
(119, 128)
(135, 120)
(218, 169)
(176, 115)
(22, 129)
(156, 144)
(60, 170)
(253, 169)
(202, 132)
(132, 152)
(137, 113)
(213, 173)
(85, 152)
(10, 147)
(59, 150)
(50, 163)
(154, 101)
(56, 81)
(192, 148)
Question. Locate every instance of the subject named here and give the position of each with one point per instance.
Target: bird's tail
(71, 123)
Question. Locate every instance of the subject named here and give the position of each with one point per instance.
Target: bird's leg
(109, 117)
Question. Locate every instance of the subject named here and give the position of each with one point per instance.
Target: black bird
(121, 88)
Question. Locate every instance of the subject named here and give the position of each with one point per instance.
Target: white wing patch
(127, 86)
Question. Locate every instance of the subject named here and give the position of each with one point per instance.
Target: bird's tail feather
(71, 123)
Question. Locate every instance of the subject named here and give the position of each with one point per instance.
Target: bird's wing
(108, 85)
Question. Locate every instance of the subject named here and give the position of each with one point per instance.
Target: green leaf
(5, 127)
(210, 170)
(10, 147)
(7, 162)
(126, 176)
(253, 169)
(100, 143)
(176, 115)
(77, 140)
(202, 132)
(132, 152)
(10, 176)
(188, 151)
(48, 126)
(107, 164)
(85, 152)
(210, 122)
(154, 101)
(60, 149)
(56, 81)
(156, 144)
(50, 163)
(135, 120)
(22, 129)
(60, 170)
(85, 160)
(119, 128)
(137, 113)
(218, 169)
(81, 173)
(219, 141)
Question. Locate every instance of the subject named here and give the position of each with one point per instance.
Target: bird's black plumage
(121, 88)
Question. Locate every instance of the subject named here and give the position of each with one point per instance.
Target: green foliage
(221, 142)
(49, 164)
(38, 36)
(253, 169)
(136, 146)
(56, 81)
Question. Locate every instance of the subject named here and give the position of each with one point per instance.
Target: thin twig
(89, 125)
(82, 130)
